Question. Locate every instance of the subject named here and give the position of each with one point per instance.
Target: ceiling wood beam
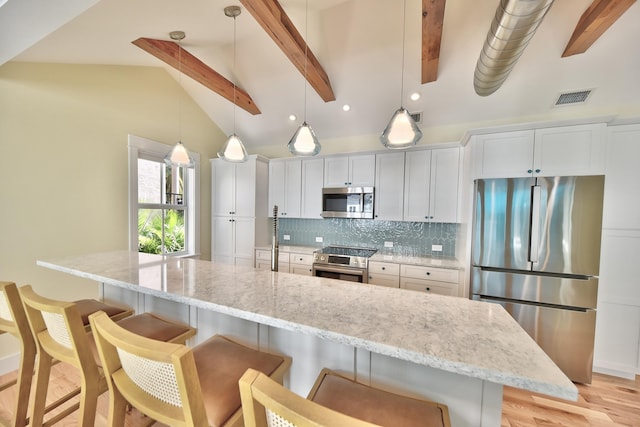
(594, 22)
(432, 23)
(168, 51)
(273, 19)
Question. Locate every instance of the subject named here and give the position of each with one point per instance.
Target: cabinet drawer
(304, 270)
(429, 286)
(384, 268)
(384, 280)
(263, 255)
(430, 273)
(306, 259)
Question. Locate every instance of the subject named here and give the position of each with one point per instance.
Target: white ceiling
(359, 44)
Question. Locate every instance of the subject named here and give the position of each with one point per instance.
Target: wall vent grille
(572, 98)
(416, 116)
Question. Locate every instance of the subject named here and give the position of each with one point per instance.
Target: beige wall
(63, 174)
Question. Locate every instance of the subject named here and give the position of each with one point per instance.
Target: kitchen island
(452, 350)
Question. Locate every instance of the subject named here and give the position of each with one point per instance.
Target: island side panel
(468, 399)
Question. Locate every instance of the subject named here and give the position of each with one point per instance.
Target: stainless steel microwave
(347, 202)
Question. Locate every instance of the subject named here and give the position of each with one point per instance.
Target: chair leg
(117, 407)
(25, 376)
(89, 401)
(39, 397)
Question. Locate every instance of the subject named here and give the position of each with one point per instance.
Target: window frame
(143, 148)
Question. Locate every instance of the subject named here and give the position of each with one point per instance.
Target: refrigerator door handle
(535, 223)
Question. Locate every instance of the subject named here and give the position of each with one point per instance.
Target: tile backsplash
(408, 238)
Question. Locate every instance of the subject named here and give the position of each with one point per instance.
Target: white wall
(63, 151)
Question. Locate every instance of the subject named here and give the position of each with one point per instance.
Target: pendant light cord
(306, 47)
(404, 34)
(180, 84)
(235, 76)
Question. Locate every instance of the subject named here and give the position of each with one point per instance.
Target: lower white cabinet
(441, 281)
(263, 261)
(300, 264)
(384, 274)
(233, 239)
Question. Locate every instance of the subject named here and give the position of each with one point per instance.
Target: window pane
(150, 231)
(158, 234)
(174, 231)
(174, 187)
(149, 181)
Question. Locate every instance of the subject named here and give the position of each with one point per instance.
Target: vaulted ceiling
(354, 56)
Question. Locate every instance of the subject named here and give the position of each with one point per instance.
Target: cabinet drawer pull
(384, 268)
(427, 289)
(428, 273)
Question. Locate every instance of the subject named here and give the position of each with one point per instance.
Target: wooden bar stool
(334, 400)
(173, 384)
(60, 334)
(13, 320)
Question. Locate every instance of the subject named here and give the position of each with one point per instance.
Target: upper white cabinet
(350, 171)
(622, 185)
(566, 150)
(285, 185)
(312, 182)
(389, 185)
(431, 185)
(234, 186)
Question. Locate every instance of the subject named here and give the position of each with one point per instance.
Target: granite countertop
(384, 256)
(471, 338)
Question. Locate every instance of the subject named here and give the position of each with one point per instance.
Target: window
(163, 201)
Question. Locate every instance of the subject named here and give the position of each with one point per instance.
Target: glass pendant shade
(234, 150)
(304, 142)
(179, 156)
(401, 132)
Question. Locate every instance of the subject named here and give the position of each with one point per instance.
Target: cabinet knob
(427, 289)
(537, 170)
(529, 171)
(384, 268)
(428, 273)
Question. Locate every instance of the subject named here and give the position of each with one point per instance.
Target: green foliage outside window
(152, 232)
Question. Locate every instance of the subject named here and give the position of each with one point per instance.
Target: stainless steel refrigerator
(536, 251)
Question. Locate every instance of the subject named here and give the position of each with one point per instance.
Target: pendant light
(233, 150)
(179, 156)
(402, 131)
(304, 142)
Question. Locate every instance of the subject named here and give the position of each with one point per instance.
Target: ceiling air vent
(572, 98)
(417, 117)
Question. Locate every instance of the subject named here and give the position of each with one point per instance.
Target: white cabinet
(622, 183)
(389, 185)
(234, 186)
(351, 171)
(300, 264)
(312, 182)
(617, 341)
(263, 260)
(285, 185)
(239, 213)
(233, 240)
(566, 150)
(440, 281)
(431, 185)
(384, 274)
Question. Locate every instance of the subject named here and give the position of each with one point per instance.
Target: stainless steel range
(342, 262)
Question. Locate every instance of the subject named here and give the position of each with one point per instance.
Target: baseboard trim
(9, 363)
(616, 371)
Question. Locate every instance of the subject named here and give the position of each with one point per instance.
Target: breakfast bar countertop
(471, 338)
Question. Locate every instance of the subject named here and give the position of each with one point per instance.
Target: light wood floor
(607, 402)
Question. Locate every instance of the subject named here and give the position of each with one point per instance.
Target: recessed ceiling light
(346, 107)
(415, 96)
(292, 117)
